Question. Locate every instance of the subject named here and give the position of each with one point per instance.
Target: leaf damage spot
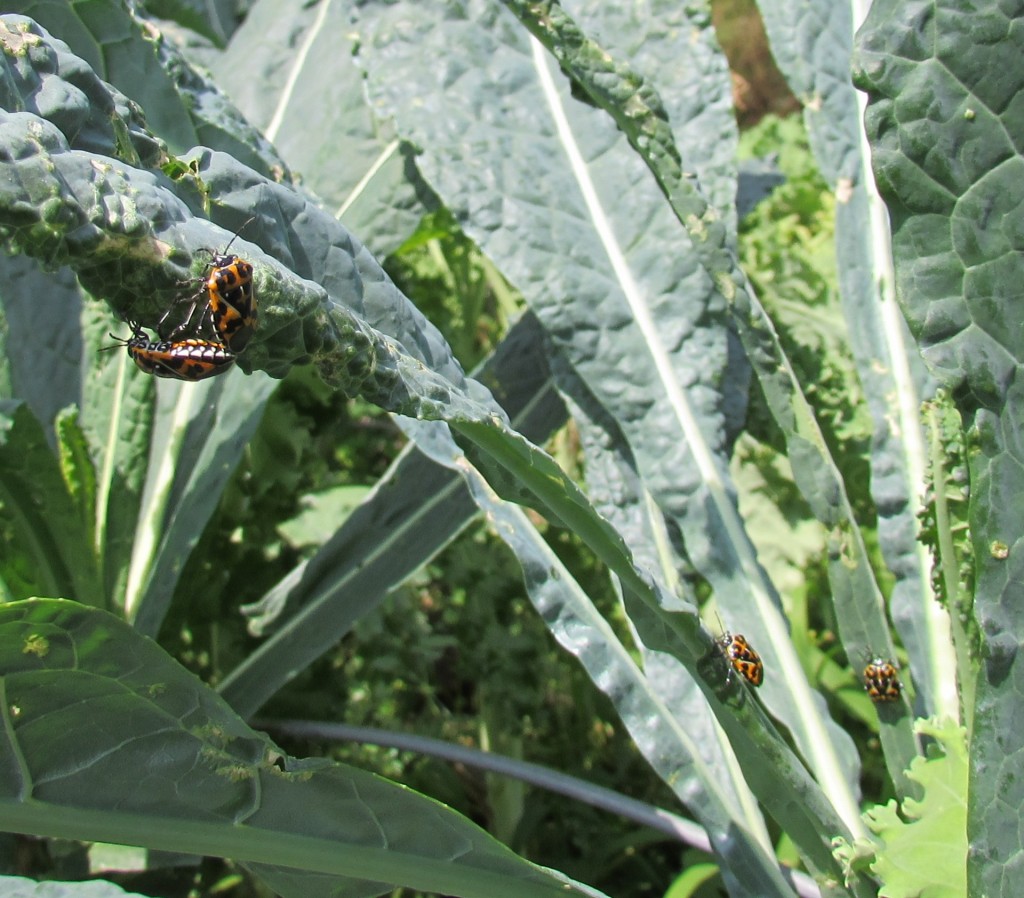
(36, 644)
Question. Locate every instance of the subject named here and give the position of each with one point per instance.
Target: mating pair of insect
(881, 678)
(229, 313)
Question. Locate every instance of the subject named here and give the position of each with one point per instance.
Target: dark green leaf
(416, 509)
(947, 126)
(47, 522)
(285, 78)
(43, 337)
(890, 372)
(159, 760)
(77, 468)
(552, 192)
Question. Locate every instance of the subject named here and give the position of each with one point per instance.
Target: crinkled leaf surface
(43, 167)
(661, 39)
(105, 737)
(181, 105)
(946, 120)
(287, 73)
(924, 847)
(552, 192)
(110, 41)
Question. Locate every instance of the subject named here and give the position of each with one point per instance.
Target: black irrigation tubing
(656, 818)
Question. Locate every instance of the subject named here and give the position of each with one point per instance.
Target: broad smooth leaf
(157, 759)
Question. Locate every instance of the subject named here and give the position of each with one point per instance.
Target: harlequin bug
(743, 658)
(230, 307)
(190, 360)
(231, 300)
(881, 680)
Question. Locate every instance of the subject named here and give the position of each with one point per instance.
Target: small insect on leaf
(882, 680)
(190, 360)
(742, 657)
(230, 309)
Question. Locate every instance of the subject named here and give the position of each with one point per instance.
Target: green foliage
(50, 536)
(310, 442)
(787, 245)
(347, 527)
(216, 772)
(460, 651)
(921, 846)
(957, 248)
(451, 282)
(944, 522)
